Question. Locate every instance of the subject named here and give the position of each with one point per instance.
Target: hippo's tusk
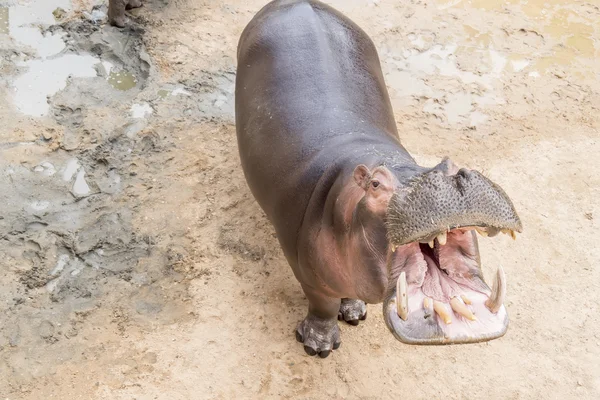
(466, 299)
(460, 308)
(498, 292)
(402, 296)
(440, 309)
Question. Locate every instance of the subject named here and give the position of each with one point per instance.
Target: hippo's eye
(375, 184)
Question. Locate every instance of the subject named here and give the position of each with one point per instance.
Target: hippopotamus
(116, 10)
(358, 220)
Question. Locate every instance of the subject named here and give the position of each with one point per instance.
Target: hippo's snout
(434, 203)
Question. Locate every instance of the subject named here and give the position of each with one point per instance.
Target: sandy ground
(135, 264)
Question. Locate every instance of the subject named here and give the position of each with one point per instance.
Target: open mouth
(440, 296)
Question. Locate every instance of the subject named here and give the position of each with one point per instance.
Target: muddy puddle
(122, 80)
(176, 91)
(117, 78)
(24, 23)
(46, 77)
(50, 60)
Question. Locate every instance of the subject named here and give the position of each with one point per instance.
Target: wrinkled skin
(116, 11)
(352, 210)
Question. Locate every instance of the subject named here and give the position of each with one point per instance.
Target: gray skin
(116, 11)
(321, 154)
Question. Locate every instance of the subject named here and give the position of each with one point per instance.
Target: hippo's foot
(318, 335)
(134, 4)
(118, 22)
(116, 13)
(352, 310)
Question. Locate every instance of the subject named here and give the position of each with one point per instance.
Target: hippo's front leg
(319, 332)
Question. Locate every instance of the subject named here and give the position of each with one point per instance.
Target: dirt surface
(135, 264)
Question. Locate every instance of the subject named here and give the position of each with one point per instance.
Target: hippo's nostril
(462, 177)
(464, 173)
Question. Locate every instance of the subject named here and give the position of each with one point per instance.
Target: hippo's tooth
(498, 292)
(442, 238)
(428, 306)
(481, 231)
(431, 244)
(466, 299)
(460, 308)
(402, 296)
(510, 233)
(440, 309)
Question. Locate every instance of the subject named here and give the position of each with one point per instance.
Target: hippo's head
(436, 292)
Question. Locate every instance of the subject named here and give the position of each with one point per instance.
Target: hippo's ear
(362, 175)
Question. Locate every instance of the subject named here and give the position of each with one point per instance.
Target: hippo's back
(309, 91)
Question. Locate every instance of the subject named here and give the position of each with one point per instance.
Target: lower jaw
(424, 328)
(444, 307)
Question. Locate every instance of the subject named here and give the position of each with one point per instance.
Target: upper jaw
(433, 203)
